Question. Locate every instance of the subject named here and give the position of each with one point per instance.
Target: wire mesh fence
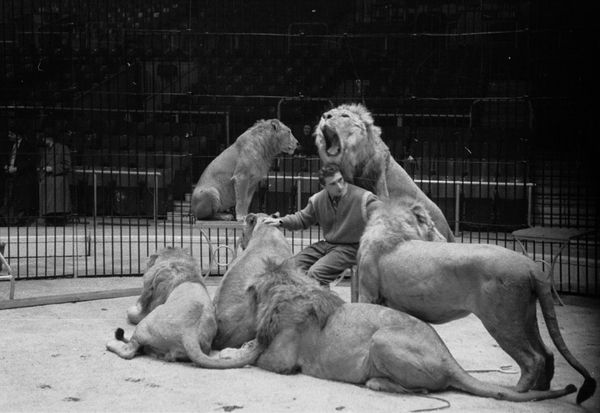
(484, 105)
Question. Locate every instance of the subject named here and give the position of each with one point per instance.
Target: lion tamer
(347, 135)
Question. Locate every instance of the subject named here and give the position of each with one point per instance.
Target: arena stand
(475, 101)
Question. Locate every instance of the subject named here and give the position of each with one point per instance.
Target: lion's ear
(421, 214)
(250, 219)
(275, 124)
(152, 260)
(275, 215)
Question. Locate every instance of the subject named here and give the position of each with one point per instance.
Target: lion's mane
(367, 163)
(166, 269)
(396, 221)
(289, 299)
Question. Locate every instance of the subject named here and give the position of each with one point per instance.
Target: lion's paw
(387, 385)
(228, 353)
(319, 141)
(223, 216)
(231, 353)
(249, 345)
(375, 384)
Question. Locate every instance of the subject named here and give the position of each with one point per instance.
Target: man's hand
(273, 222)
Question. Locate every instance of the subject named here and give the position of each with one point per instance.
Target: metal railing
(482, 103)
(105, 244)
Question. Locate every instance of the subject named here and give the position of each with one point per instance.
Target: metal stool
(563, 236)
(214, 247)
(353, 274)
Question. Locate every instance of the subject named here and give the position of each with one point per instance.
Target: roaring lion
(347, 136)
(302, 327)
(166, 269)
(236, 325)
(233, 176)
(440, 282)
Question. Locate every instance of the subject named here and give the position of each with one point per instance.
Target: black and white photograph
(299, 206)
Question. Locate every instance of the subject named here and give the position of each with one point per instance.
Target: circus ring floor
(53, 359)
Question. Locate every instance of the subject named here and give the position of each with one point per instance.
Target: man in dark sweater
(341, 209)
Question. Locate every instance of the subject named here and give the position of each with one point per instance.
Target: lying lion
(166, 269)
(180, 329)
(347, 136)
(235, 324)
(440, 282)
(233, 176)
(302, 327)
(175, 315)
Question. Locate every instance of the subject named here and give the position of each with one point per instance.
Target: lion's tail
(120, 335)
(463, 381)
(543, 291)
(123, 347)
(246, 355)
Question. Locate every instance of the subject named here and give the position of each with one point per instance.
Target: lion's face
(341, 130)
(424, 227)
(394, 222)
(287, 141)
(251, 223)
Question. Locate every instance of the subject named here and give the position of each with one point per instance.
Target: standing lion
(347, 136)
(232, 177)
(438, 282)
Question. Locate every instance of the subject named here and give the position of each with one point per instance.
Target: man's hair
(327, 170)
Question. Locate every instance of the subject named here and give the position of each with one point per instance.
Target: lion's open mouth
(332, 141)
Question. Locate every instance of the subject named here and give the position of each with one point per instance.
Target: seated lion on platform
(347, 136)
(233, 176)
(303, 327)
(440, 282)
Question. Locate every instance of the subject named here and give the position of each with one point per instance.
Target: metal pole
(457, 210)
(227, 137)
(75, 251)
(354, 284)
(279, 107)
(155, 206)
(529, 203)
(95, 184)
(299, 191)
